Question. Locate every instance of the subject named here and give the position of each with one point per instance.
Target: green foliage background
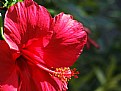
(100, 69)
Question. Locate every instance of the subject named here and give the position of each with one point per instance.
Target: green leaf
(111, 68)
(9, 3)
(100, 75)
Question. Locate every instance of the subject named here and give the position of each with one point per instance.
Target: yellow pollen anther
(65, 73)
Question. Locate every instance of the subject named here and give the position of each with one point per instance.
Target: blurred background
(100, 63)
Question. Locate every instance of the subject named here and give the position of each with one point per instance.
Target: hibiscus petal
(11, 84)
(24, 21)
(67, 42)
(34, 51)
(44, 80)
(8, 75)
(35, 79)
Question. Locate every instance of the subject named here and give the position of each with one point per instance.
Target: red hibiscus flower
(38, 49)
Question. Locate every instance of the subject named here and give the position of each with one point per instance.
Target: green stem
(1, 27)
